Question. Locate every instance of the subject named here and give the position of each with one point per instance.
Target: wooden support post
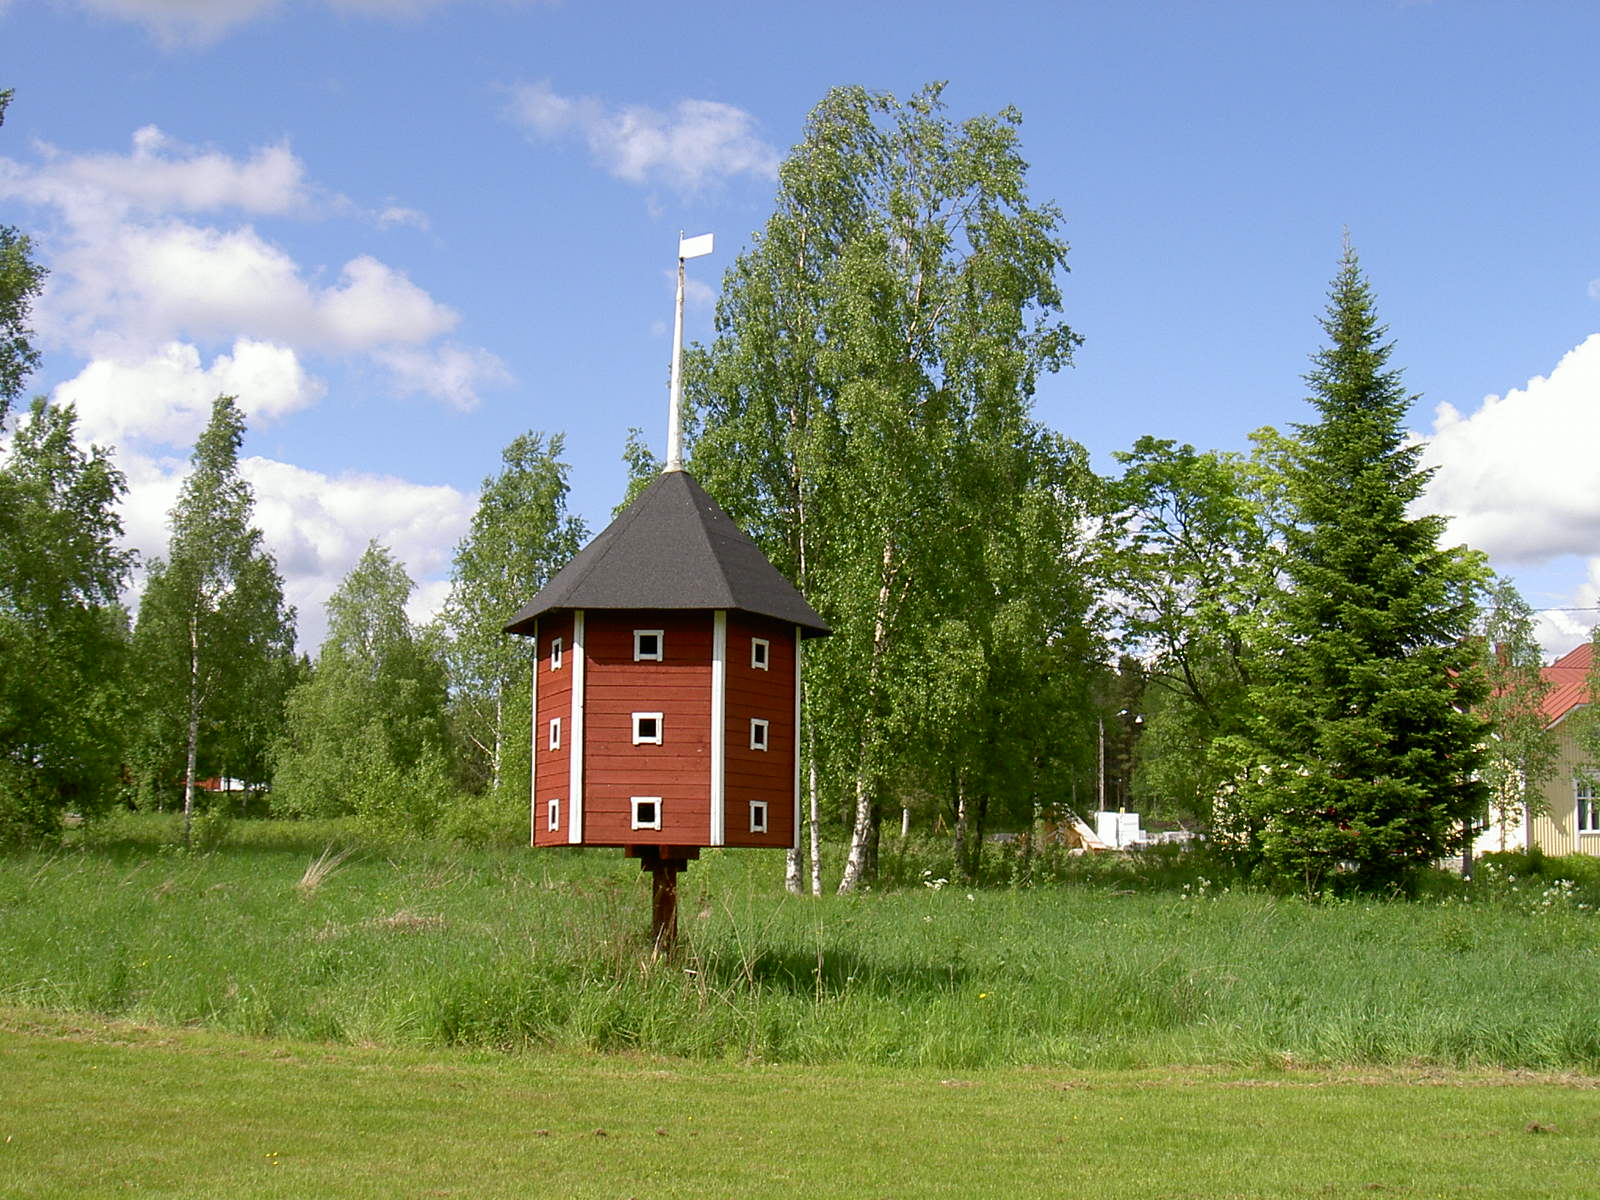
(664, 906)
(664, 863)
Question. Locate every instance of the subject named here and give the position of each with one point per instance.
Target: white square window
(758, 816)
(647, 729)
(758, 734)
(555, 733)
(1588, 807)
(646, 811)
(553, 816)
(647, 645)
(758, 654)
(556, 648)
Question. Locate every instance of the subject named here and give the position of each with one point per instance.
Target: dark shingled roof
(674, 548)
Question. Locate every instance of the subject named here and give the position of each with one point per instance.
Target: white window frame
(661, 645)
(556, 647)
(555, 733)
(758, 816)
(553, 814)
(641, 739)
(759, 739)
(760, 654)
(634, 803)
(1587, 816)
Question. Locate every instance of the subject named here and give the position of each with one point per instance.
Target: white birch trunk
(861, 831)
(192, 752)
(499, 722)
(961, 831)
(816, 835)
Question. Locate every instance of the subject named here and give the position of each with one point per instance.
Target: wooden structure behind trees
(666, 691)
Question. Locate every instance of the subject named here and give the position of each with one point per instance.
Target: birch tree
(521, 535)
(21, 278)
(897, 309)
(213, 637)
(1519, 755)
(368, 732)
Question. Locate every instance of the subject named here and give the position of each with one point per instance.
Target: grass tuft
(320, 869)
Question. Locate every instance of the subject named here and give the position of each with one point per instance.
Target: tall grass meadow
(303, 930)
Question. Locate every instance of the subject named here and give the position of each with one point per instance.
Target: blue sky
(404, 231)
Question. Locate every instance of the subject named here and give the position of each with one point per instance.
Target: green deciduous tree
(521, 535)
(20, 281)
(214, 641)
(368, 732)
(1362, 749)
(865, 413)
(1519, 755)
(1195, 577)
(63, 633)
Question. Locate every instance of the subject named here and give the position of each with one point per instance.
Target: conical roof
(673, 548)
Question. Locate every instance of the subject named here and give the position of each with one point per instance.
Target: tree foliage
(1519, 755)
(865, 414)
(63, 632)
(1361, 750)
(521, 535)
(367, 733)
(21, 279)
(1195, 576)
(214, 641)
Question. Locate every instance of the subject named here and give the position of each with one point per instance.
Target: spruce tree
(1363, 751)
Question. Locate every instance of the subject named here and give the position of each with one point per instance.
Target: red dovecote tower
(666, 689)
(666, 683)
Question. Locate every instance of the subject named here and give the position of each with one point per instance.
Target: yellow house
(1572, 823)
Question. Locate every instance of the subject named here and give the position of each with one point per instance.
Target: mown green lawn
(94, 1108)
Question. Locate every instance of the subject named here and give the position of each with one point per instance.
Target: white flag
(694, 247)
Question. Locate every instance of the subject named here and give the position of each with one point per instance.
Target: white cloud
(160, 174)
(130, 276)
(1594, 289)
(450, 373)
(317, 525)
(166, 397)
(376, 305)
(1519, 477)
(686, 147)
(1558, 631)
(177, 22)
(1519, 480)
(200, 22)
(391, 215)
(149, 284)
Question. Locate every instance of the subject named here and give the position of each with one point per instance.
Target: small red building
(666, 690)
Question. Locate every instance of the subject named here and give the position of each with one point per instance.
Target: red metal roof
(1568, 678)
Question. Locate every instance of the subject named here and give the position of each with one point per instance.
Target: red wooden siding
(760, 774)
(679, 688)
(552, 698)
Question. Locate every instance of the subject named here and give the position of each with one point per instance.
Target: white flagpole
(687, 248)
